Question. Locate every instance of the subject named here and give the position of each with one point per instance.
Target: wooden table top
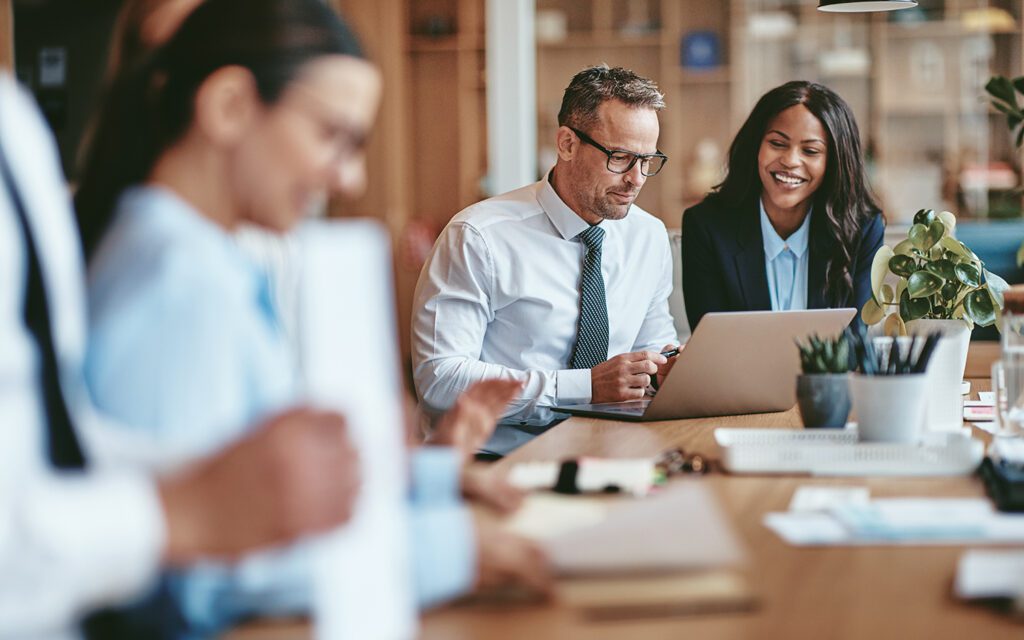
(837, 592)
(831, 592)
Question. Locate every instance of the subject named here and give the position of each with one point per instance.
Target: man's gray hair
(592, 86)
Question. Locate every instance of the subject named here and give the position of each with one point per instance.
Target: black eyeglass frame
(642, 157)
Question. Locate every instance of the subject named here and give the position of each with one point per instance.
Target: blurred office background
(472, 83)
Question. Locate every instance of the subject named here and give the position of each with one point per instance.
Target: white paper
(901, 521)
(990, 574)
(988, 397)
(531, 476)
(822, 498)
(987, 426)
(363, 575)
(681, 528)
(807, 528)
(547, 515)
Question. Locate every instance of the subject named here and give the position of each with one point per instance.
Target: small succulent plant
(824, 355)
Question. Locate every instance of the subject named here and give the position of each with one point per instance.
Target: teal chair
(996, 243)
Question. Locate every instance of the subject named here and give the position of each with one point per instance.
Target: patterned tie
(155, 616)
(592, 334)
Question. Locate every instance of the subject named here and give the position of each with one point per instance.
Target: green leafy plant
(824, 355)
(937, 277)
(1003, 93)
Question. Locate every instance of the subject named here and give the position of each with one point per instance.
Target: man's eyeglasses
(620, 161)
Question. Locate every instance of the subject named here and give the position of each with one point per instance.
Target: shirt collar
(774, 244)
(568, 223)
(161, 207)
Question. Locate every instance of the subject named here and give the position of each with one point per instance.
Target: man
(544, 283)
(79, 531)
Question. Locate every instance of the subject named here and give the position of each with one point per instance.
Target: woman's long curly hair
(844, 200)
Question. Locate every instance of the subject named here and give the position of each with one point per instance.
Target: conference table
(801, 592)
(837, 592)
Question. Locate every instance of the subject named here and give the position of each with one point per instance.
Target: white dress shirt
(786, 264)
(499, 298)
(69, 542)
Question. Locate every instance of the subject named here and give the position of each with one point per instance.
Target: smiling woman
(794, 224)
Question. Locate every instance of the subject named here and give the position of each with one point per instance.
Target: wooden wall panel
(7, 35)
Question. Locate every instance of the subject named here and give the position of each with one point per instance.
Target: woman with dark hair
(257, 59)
(247, 114)
(794, 224)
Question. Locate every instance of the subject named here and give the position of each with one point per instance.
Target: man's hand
(468, 425)
(665, 368)
(624, 377)
(296, 474)
(483, 486)
(504, 558)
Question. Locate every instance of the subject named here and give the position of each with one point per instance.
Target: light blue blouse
(786, 264)
(185, 343)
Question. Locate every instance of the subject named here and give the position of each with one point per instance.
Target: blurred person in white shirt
(94, 530)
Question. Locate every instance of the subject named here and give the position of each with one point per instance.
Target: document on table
(588, 536)
(990, 574)
(899, 521)
(822, 498)
(672, 553)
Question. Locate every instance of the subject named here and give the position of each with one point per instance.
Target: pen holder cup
(889, 408)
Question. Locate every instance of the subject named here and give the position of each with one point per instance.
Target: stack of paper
(990, 574)
(906, 521)
(669, 554)
(981, 411)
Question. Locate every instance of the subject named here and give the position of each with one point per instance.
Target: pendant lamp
(863, 6)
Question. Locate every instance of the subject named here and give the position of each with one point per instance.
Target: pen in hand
(668, 354)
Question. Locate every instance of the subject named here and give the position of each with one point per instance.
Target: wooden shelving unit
(428, 156)
(644, 36)
(443, 115)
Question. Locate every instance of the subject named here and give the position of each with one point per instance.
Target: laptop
(734, 363)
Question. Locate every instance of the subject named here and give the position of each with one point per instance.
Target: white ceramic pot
(889, 408)
(945, 408)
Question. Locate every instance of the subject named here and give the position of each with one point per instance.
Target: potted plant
(821, 390)
(941, 285)
(937, 278)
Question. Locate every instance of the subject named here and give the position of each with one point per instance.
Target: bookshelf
(645, 36)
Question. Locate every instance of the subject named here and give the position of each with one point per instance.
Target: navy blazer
(723, 260)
